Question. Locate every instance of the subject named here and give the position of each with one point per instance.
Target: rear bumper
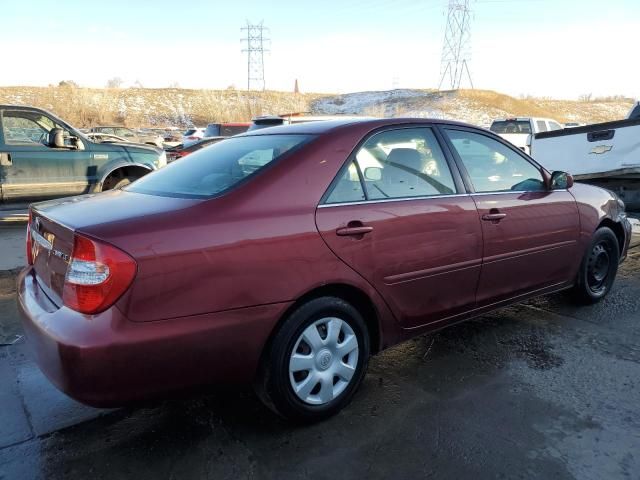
(106, 360)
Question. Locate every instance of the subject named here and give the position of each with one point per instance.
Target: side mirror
(56, 138)
(373, 173)
(561, 180)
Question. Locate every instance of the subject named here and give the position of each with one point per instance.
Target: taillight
(97, 276)
(29, 242)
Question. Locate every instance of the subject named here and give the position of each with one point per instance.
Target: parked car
(179, 151)
(603, 154)
(286, 257)
(105, 137)
(266, 121)
(573, 124)
(517, 130)
(42, 156)
(225, 129)
(192, 135)
(130, 135)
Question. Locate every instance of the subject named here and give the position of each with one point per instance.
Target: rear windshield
(213, 170)
(191, 131)
(511, 126)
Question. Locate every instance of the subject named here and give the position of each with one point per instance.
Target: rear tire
(598, 268)
(316, 361)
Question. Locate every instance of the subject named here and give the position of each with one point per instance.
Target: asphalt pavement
(539, 390)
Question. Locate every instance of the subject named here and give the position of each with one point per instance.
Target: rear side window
(492, 166)
(542, 126)
(554, 126)
(347, 187)
(395, 164)
(213, 170)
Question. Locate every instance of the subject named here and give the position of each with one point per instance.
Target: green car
(43, 157)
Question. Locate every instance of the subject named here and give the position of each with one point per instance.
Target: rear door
(530, 233)
(32, 170)
(398, 216)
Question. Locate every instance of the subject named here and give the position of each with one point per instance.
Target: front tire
(598, 268)
(114, 183)
(316, 361)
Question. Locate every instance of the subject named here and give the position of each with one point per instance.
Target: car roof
(321, 127)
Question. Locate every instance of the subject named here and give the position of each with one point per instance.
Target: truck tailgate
(602, 150)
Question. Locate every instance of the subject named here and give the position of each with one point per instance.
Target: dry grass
(138, 107)
(591, 111)
(148, 107)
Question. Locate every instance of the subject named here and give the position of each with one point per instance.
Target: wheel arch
(126, 170)
(349, 293)
(617, 229)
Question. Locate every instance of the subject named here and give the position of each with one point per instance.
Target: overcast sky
(556, 48)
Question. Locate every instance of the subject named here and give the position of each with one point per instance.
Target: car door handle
(5, 159)
(354, 230)
(493, 217)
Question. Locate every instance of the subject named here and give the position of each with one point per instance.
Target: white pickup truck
(518, 130)
(603, 154)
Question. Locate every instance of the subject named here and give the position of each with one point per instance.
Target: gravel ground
(539, 390)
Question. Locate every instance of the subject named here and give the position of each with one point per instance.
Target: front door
(31, 168)
(396, 215)
(530, 232)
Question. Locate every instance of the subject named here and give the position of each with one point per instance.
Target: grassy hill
(479, 107)
(181, 107)
(148, 107)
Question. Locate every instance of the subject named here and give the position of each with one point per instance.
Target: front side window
(492, 166)
(554, 126)
(27, 128)
(219, 167)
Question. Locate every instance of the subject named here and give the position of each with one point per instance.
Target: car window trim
(388, 200)
(456, 175)
(491, 135)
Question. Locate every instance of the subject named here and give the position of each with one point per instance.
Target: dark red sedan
(287, 256)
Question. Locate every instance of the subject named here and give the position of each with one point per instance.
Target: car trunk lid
(51, 248)
(55, 223)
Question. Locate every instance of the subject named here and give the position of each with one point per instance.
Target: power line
(456, 50)
(255, 49)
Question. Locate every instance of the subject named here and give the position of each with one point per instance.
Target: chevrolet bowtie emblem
(600, 149)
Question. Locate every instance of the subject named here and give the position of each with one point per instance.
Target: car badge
(600, 149)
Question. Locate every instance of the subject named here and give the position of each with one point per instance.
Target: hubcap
(598, 268)
(323, 361)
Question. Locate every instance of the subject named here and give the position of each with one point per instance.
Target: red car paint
(216, 276)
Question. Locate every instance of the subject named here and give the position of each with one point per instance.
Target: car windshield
(511, 126)
(217, 168)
